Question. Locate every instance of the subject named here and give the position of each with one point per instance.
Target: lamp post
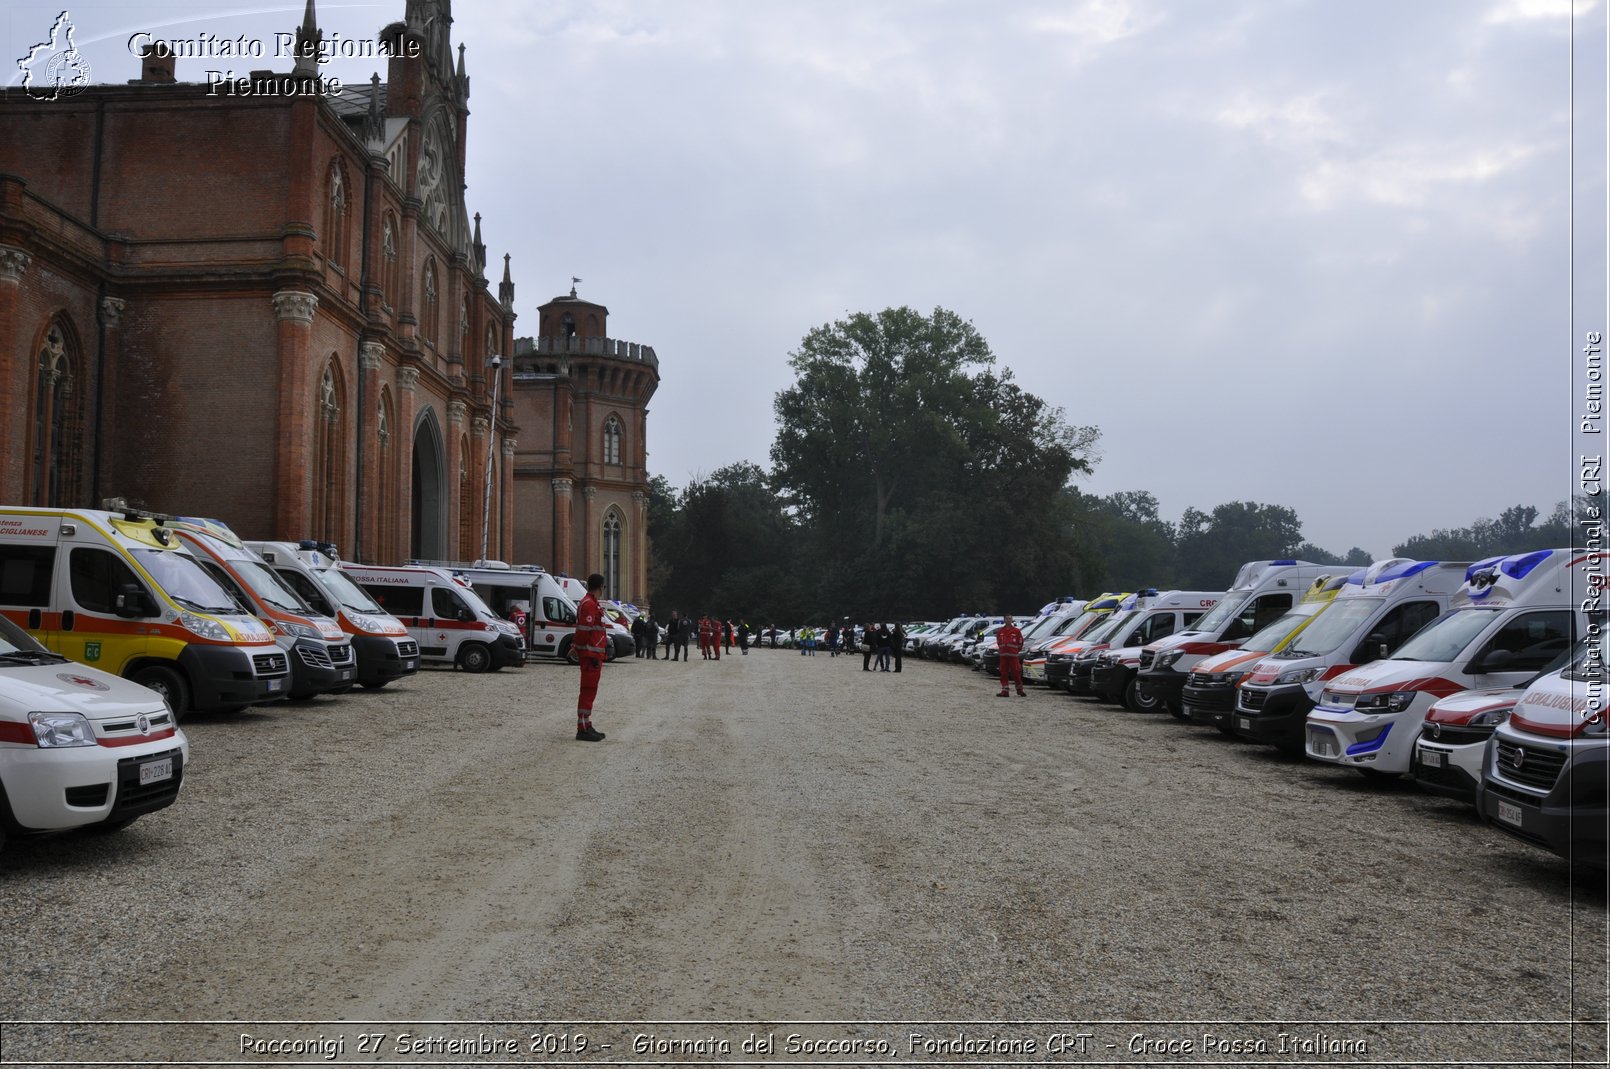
(491, 441)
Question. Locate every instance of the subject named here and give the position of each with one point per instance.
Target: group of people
(713, 636)
(879, 641)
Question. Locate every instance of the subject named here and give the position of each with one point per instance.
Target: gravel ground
(777, 839)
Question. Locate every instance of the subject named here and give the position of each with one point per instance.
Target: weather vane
(573, 281)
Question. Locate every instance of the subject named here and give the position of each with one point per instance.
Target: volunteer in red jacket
(589, 643)
(1009, 642)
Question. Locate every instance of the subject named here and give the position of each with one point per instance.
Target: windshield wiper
(31, 657)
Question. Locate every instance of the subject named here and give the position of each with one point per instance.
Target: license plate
(275, 684)
(346, 675)
(1431, 758)
(155, 771)
(1244, 723)
(1509, 813)
(409, 665)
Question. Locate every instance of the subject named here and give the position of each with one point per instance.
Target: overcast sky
(1303, 252)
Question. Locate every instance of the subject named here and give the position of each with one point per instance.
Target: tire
(1177, 711)
(475, 657)
(1139, 702)
(567, 651)
(168, 683)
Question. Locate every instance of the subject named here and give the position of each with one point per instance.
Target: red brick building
(273, 309)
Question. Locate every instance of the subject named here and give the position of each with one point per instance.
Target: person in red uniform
(1009, 641)
(589, 644)
(704, 636)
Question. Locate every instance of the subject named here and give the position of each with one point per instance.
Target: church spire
(308, 42)
(506, 287)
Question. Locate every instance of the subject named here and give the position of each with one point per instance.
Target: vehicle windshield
(1074, 624)
(18, 645)
(474, 600)
(1228, 608)
(267, 585)
(1334, 627)
(185, 581)
(349, 594)
(1447, 637)
(1266, 640)
(1588, 659)
(1112, 625)
(1045, 625)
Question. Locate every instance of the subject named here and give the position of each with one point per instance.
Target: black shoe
(589, 735)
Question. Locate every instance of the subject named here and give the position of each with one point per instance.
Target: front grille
(1251, 700)
(132, 798)
(1146, 657)
(1534, 766)
(1199, 679)
(1219, 697)
(88, 797)
(1449, 735)
(407, 647)
(271, 664)
(313, 656)
(341, 655)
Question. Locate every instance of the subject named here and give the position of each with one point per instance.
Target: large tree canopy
(902, 446)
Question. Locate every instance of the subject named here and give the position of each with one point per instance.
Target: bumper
(1056, 673)
(1381, 742)
(506, 651)
(1569, 820)
(1034, 671)
(382, 659)
(1107, 681)
(318, 666)
(1209, 705)
(1272, 715)
(1451, 771)
(1163, 685)
(53, 790)
(228, 677)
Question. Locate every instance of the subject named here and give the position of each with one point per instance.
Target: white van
(1370, 619)
(1511, 618)
(550, 614)
(1262, 592)
(386, 652)
(1107, 670)
(1544, 780)
(448, 619)
(79, 747)
(119, 591)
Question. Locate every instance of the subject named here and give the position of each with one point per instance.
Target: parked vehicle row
(1485, 681)
(116, 624)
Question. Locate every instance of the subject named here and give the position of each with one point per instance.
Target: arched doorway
(428, 539)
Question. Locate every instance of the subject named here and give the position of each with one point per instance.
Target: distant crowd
(880, 645)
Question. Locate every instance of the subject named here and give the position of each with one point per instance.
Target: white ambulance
(1370, 619)
(120, 592)
(1263, 591)
(1107, 670)
(1511, 618)
(386, 651)
(530, 592)
(1545, 778)
(444, 615)
(79, 747)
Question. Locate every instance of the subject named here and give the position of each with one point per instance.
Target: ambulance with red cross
(1513, 615)
(444, 615)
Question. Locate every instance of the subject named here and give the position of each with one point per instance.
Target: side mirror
(1491, 661)
(465, 616)
(1373, 648)
(132, 603)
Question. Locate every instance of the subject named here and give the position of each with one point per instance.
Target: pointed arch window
(612, 440)
(612, 554)
(329, 467)
(430, 307)
(56, 463)
(335, 217)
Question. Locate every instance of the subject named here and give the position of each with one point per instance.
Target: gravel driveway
(778, 845)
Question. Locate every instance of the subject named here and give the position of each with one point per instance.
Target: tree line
(912, 478)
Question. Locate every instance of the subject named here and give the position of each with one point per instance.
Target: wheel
(475, 657)
(614, 652)
(567, 651)
(1139, 701)
(1177, 711)
(168, 683)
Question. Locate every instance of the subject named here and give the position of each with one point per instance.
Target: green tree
(1210, 549)
(909, 454)
(1126, 545)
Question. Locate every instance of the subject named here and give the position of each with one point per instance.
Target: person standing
(673, 635)
(832, 637)
(652, 629)
(869, 636)
(743, 636)
(684, 637)
(898, 638)
(885, 641)
(590, 644)
(1009, 644)
(704, 638)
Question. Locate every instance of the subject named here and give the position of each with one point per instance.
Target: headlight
(55, 730)
(1167, 658)
(377, 624)
(1297, 675)
(1490, 718)
(210, 629)
(296, 630)
(1385, 703)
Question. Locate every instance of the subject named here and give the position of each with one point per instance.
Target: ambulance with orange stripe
(120, 592)
(78, 746)
(1513, 616)
(445, 616)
